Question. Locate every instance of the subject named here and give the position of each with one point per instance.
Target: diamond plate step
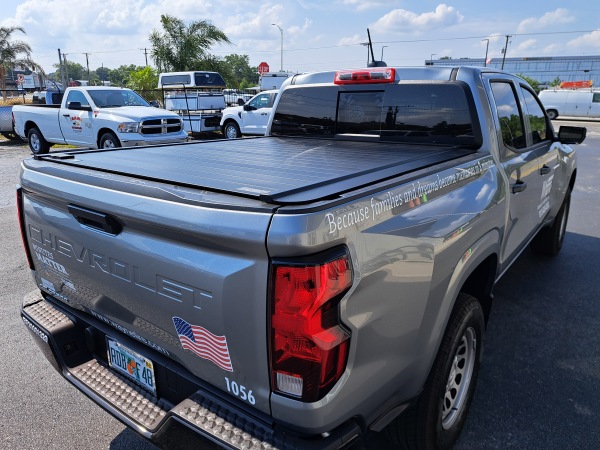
(132, 401)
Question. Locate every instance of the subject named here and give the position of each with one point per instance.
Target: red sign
(263, 67)
(576, 84)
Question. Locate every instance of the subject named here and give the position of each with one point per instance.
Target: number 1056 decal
(240, 391)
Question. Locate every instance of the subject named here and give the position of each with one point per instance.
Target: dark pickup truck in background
(300, 289)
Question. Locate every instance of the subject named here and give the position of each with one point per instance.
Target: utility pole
(281, 31)
(88, 66)
(63, 77)
(66, 70)
(508, 36)
(486, 51)
(146, 55)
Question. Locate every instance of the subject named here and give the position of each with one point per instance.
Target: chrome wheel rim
(230, 132)
(35, 142)
(108, 144)
(459, 379)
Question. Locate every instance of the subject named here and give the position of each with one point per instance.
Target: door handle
(66, 115)
(545, 170)
(519, 186)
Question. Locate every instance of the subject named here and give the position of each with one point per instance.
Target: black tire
(109, 140)
(231, 130)
(37, 143)
(549, 240)
(439, 415)
(552, 114)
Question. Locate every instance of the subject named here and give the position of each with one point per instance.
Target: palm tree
(183, 48)
(14, 53)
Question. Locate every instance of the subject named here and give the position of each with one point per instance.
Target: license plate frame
(131, 365)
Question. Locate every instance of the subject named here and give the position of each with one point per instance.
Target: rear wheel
(552, 114)
(441, 411)
(109, 140)
(549, 240)
(231, 130)
(37, 143)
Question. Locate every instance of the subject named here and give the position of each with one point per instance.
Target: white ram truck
(97, 117)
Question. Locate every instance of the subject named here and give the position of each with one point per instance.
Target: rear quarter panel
(411, 245)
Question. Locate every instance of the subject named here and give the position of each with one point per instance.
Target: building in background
(544, 69)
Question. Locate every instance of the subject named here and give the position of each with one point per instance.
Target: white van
(570, 102)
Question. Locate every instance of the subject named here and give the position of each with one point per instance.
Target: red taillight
(22, 227)
(309, 345)
(361, 76)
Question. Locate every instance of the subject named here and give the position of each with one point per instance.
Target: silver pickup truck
(301, 289)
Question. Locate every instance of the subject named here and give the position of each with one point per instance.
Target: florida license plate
(134, 366)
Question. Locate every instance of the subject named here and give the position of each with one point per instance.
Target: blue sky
(317, 35)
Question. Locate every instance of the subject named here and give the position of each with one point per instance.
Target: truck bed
(274, 170)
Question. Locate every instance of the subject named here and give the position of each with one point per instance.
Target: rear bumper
(72, 342)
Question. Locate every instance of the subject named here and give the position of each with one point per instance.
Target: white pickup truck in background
(97, 117)
(251, 118)
(236, 97)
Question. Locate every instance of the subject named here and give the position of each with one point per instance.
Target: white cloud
(402, 21)
(589, 41)
(352, 40)
(549, 19)
(363, 5)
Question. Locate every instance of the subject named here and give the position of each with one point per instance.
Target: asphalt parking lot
(538, 388)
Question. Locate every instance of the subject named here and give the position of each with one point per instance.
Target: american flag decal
(203, 343)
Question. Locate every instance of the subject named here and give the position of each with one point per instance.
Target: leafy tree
(239, 71)
(182, 47)
(120, 75)
(143, 79)
(555, 83)
(14, 53)
(535, 84)
(74, 71)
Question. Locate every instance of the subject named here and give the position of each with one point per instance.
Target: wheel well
(101, 132)
(28, 126)
(481, 282)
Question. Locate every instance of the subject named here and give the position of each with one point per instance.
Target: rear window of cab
(429, 113)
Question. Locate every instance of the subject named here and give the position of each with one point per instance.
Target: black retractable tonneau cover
(274, 170)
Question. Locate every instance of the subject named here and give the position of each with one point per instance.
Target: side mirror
(571, 135)
(154, 103)
(78, 107)
(248, 107)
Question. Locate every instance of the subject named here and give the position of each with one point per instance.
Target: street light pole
(281, 31)
(382, 52)
(486, 51)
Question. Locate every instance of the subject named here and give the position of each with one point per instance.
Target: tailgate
(179, 273)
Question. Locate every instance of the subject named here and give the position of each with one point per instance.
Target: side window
(77, 96)
(596, 98)
(260, 101)
(535, 117)
(509, 115)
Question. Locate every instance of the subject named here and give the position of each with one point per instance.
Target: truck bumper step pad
(61, 337)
